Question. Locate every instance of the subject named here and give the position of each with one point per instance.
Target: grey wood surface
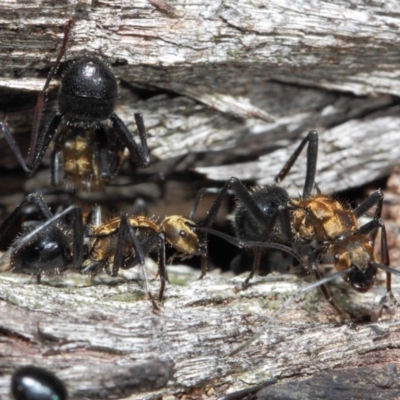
(94, 336)
(226, 82)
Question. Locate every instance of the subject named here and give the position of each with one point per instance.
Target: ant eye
(336, 256)
(183, 234)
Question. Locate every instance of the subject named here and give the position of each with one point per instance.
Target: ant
(325, 225)
(91, 155)
(123, 242)
(33, 383)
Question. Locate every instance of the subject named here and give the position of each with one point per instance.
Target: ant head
(180, 235)
(361, 280)
(29, 383)
(356, 252)
(88, 90)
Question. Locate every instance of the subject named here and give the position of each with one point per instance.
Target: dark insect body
(44, 246)
(123, 242)
(87, 154)
(316, 225)
(34, 383)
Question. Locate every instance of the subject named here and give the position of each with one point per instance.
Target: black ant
(34, 383)
(328, 227)
(44, 245)
(91, 155)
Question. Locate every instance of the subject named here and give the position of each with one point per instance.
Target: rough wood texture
(94, 336)
(216, 72)
(228, 59)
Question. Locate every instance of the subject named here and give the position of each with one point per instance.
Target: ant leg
(56, 165)
(248, 244)
(284, 218)
(78, 229)
(162, 270)
(146, 247)
(142, 135)
(126, 228)
(13, 146)
(95, 217)
(200, 194)
(34, 198)
(385, 258)
(256, 266)
(325, 291)
(312, 154)
(116, 160)
(42, 141)
(37, 118)
(102, 147)
(370, 201)
(140, 156)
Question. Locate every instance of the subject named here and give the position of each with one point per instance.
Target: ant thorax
(321, 218)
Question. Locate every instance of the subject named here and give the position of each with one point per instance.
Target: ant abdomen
(88, 90)
(34, 383)
(48, 253)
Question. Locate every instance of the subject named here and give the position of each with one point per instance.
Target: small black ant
(34, 383)
(90, 154)
(327, 227)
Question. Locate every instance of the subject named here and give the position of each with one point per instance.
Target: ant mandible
(327, 226)
(92, 155)
(34, 383)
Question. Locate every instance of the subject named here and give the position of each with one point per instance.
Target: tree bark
(94, 337)
(234, 66)
(219, 83)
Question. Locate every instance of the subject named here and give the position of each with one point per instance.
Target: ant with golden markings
(120, 243)
(123, 242)
(86, 155)
(327, 227)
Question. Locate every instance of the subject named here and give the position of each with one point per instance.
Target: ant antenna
(40, 101)
(385, 268)
(302, 290)
(244, 244)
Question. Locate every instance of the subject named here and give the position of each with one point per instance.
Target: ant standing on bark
(325, 227)
(90, 153)
(123, 242)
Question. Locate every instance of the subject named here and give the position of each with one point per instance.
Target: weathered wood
(363, 383)
(82, 332)
(238, 59)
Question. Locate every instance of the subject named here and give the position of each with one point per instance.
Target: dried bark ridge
(78, 331)
(343, 46)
